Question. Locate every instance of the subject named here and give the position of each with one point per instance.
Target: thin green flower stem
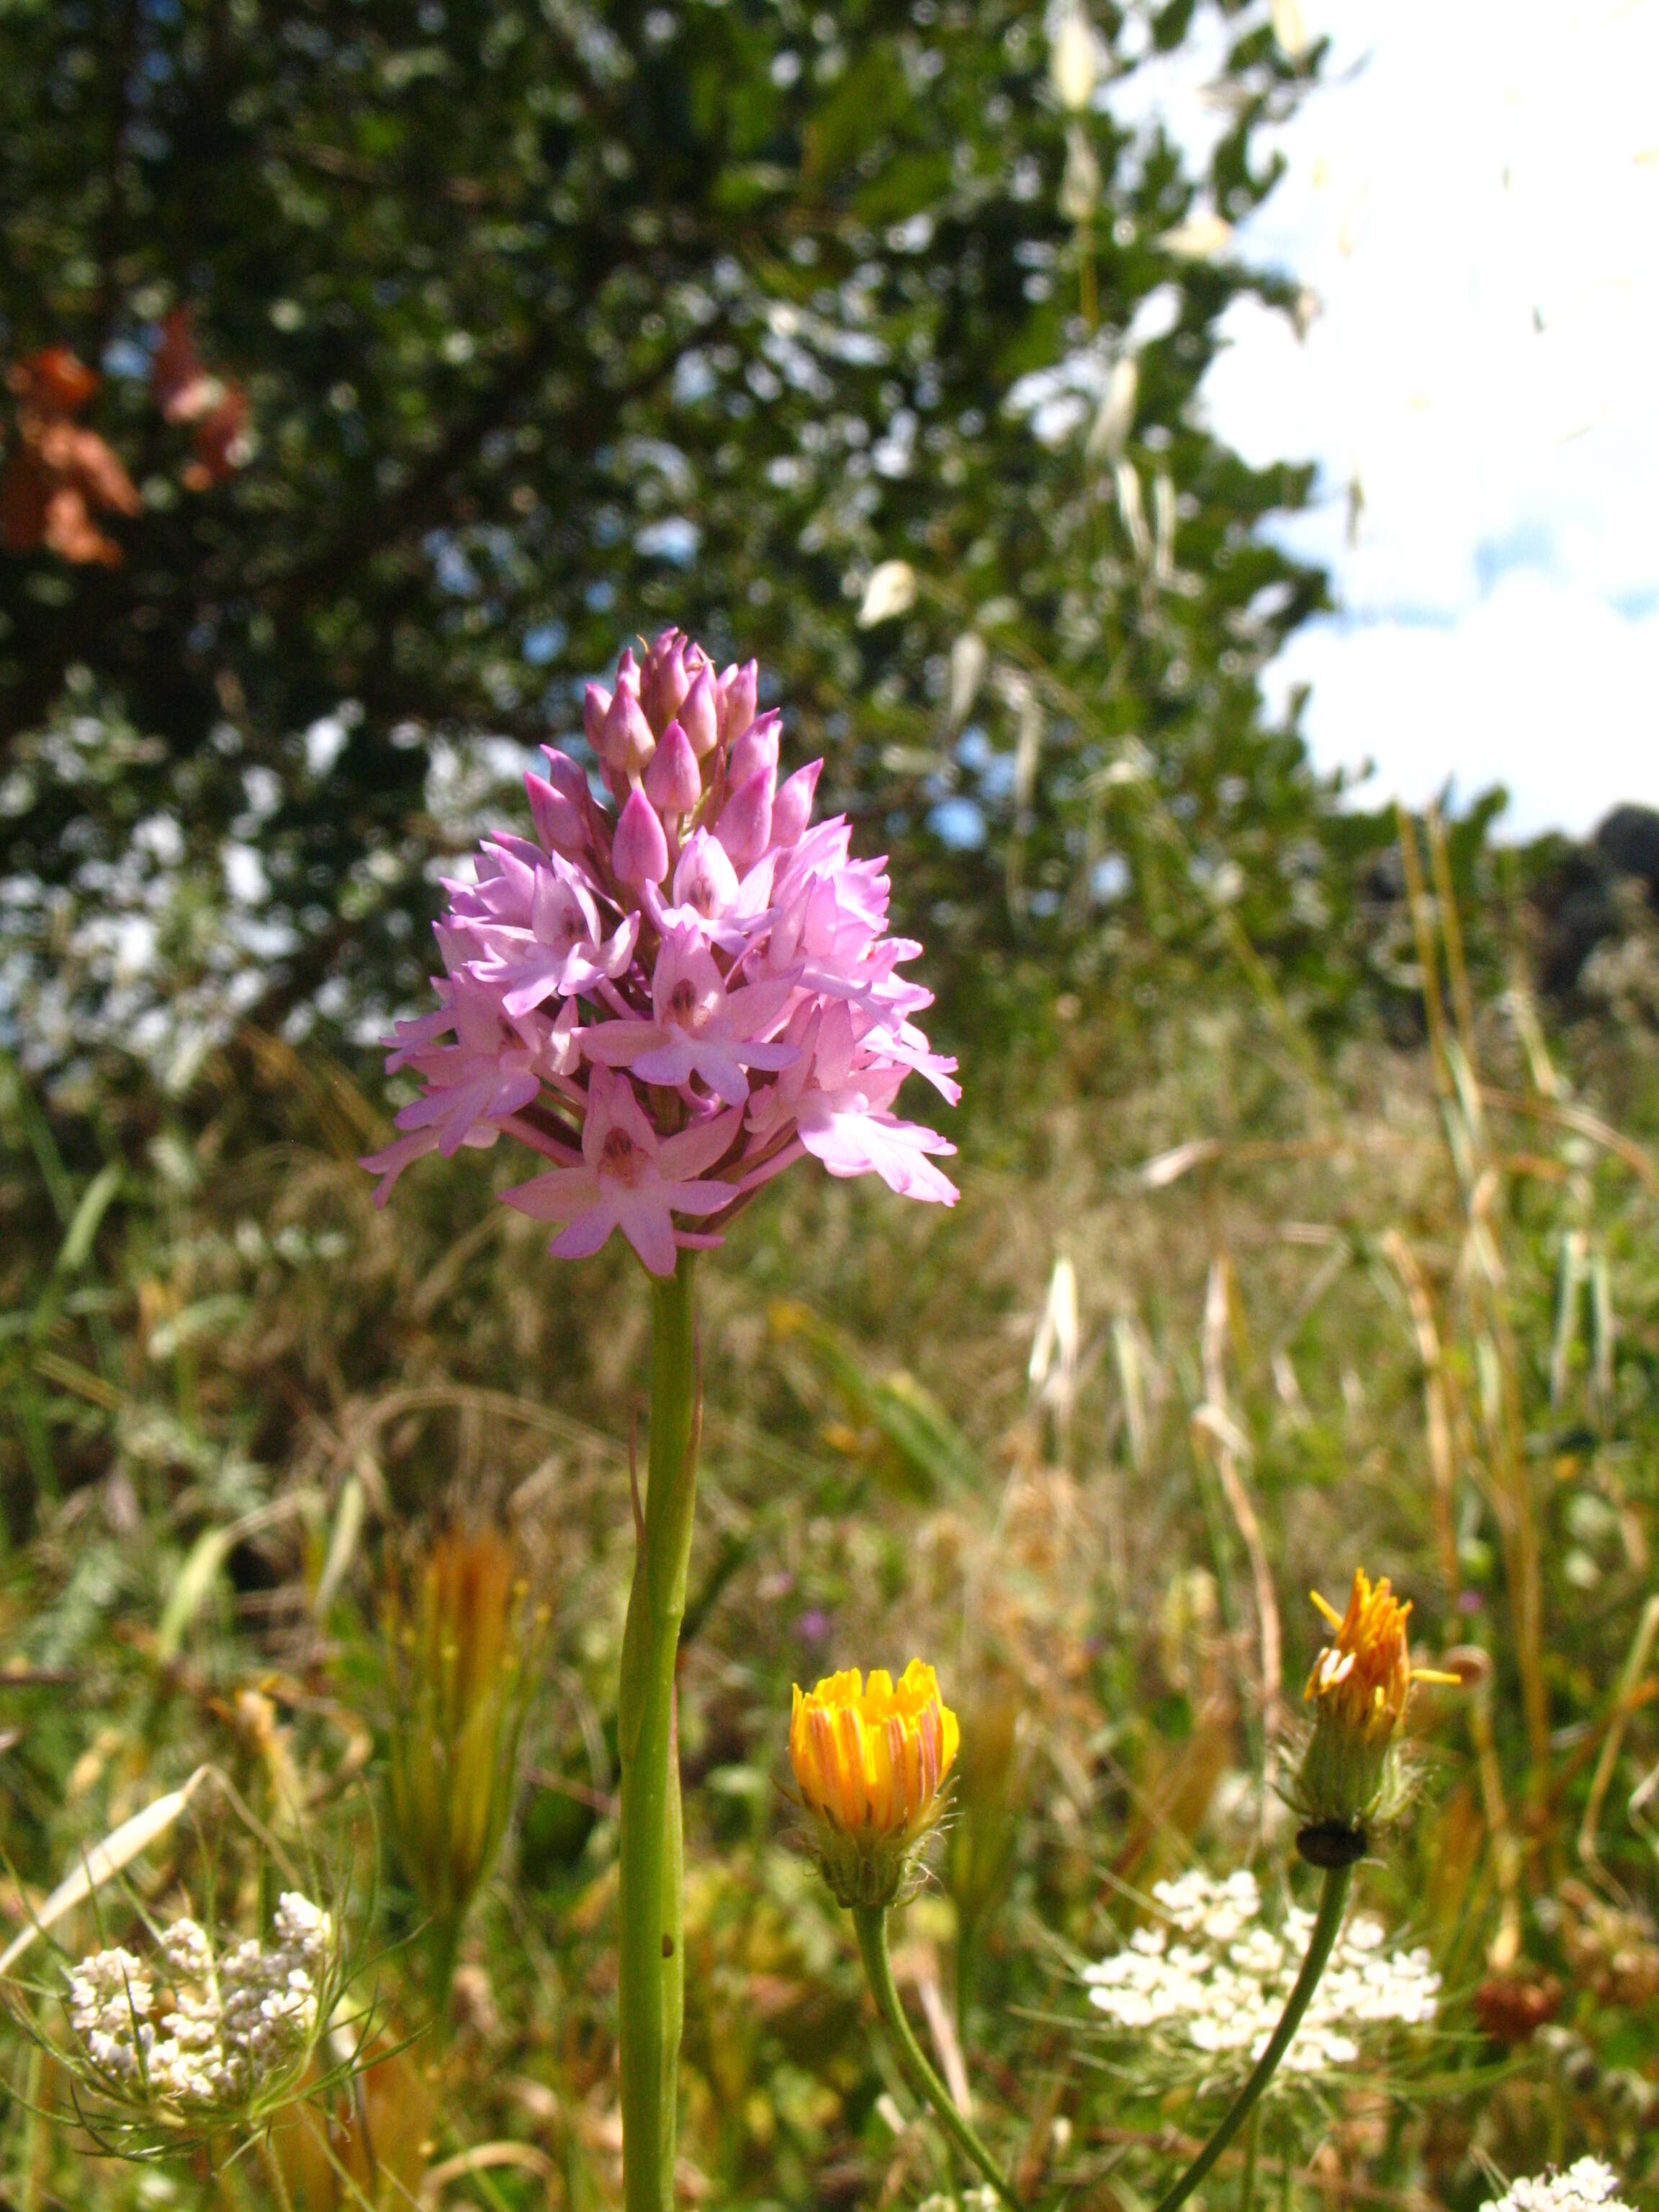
(871, 1923)
(1247, 2186)
(273, 2171)
(1332, 1899)
(650, 1979)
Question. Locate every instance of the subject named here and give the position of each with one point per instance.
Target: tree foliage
(518, 329)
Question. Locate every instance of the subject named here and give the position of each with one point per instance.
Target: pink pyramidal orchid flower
(630, 1178)
(838, 1095)
(536, 926)
(699, 1028)
(672, 997)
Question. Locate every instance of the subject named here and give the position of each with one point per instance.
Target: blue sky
(1472, 202)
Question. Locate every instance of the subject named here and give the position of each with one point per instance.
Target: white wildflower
(234, 2023)
(1587, 2184)
(1221, 1987)
(110, 2000)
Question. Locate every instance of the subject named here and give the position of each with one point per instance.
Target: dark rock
(1577, 899)
(1629, 841)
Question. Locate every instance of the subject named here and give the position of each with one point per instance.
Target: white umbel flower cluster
(192, 2029)
(1216, 1977)
(1588, 2186)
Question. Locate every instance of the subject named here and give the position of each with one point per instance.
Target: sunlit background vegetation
(1309, 1159)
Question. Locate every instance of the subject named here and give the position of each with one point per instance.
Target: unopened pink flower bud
(664, 681)
(673, 782)
(745, 824)
(792, 807)
(561, 825)
(756, 748)
(628, 672)
(700, 713)
(566, 775)
(627, 744)
(639, 851)
(736, 692)
(596, 705)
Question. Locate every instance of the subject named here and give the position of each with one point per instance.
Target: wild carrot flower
(1202, 1988)
(1586, 2187)
(871, 1759)
(672, 991)
(194, 2031)
(1359, 1688)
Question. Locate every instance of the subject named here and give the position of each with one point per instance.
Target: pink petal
(642, 1217)
(792, 809)
(392, 1159)
(701, 1197)
(586, 1233)
(698, 1147)
(618, 1044)
(556, 1195)
(736, 692)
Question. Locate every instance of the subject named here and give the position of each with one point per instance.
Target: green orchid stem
(651, 1981)
(1332, 1898)
(871, 1922)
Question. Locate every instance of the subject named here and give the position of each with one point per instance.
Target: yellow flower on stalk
(1359, 1687)
(871, 1759)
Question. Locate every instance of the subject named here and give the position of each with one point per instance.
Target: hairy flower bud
(871, 1761)
(461, 1643)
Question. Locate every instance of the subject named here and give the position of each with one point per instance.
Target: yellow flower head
(1365, 1677)
(1359, 1686)
(870, 1759)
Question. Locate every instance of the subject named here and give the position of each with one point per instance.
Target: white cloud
(1472, 194)
(1539, 686)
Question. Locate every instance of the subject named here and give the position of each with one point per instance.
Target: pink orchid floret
(673, 996)
(630, 1178)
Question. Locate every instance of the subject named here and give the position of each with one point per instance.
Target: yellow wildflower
(870, 1759)
(1359, 1687)
(1366, 1676)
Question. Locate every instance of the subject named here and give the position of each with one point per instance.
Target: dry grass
(1403, 1307)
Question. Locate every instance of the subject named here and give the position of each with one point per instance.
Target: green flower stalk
(652, 1969)
(1332, 1899)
